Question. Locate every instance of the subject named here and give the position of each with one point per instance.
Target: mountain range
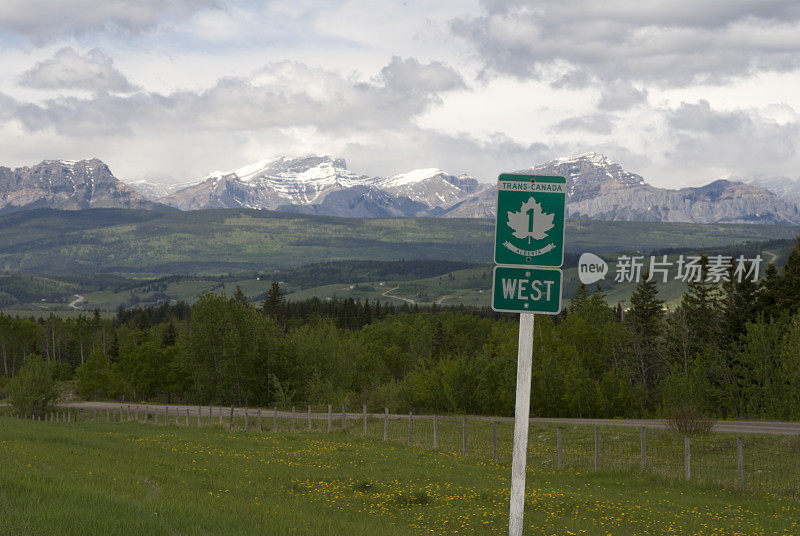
(598, 188)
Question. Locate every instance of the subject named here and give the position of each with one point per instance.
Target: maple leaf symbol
(530, 221)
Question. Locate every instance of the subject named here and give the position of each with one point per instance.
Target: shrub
(687, 419)
(33, 390)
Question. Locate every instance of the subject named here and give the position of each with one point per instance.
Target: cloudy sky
(680, 92)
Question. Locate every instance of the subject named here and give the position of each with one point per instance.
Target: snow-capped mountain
(432, 187)
(308, 185)
(156, 187)
(67, 184)
(784, 187)
(600, 189)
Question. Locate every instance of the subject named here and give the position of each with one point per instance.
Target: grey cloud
(43, 20)
(69, 70)
(409, 75)
(281, 95)
(619, 96)
(741, 141)
(593, 123)
(701, 118)
(665, 42)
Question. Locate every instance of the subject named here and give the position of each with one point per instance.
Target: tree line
(730, 349)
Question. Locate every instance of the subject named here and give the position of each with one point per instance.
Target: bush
(33, 390)
(687, 419)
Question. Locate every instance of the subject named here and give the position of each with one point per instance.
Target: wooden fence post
(643, 440)
(494, 440)
(187, 417)
(330, 418)
(260, 429)
(199, 415)
(740, 461)
(687, 461)
(410, 426)
(275, 418)
(386, 425)
(596, 448)
(344, 417)
(365, 419)
(246, 421)
(211, 415)
(292, 419)
(559, 455)
(230, 421)
(166, 415)
(435, 433)
(464, 435)
(220, 416)
(309, 416)
(108, 411)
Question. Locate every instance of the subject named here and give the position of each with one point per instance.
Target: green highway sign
(530, 220)
(519, 289)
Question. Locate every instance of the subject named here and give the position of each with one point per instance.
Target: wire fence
(759, 463)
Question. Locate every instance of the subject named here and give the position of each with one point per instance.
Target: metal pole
(494, 440)
(330, 418)
(386, 425)
(275, 418)
(596, 448)
(464, 435)
(521, 423)
(687, 458)
(642, 433)
(309, 417)
(365, 420)
(199, 415)
(230, 421)
(558, 449)
(740, 461)
(344, 417)
(435, 433)
(292, 419)
(410, 425)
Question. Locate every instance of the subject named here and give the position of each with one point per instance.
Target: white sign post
(521, 416)
(529, 235)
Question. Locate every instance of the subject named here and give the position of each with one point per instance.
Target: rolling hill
(144, 243)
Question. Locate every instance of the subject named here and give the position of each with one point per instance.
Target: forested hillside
(212, 242)
(730, 349)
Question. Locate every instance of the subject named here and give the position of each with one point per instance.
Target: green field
(151, 243)
(130, 478)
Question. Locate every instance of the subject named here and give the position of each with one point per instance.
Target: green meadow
(140, 479)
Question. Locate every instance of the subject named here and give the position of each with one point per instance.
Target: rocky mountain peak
(66, 184)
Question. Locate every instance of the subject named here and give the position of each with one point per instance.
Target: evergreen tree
(274, 304)
(239, 296)
(737, 306)
(769, 291)
(788, 295)
(578, 300)
(700, 304)
(645, 319)
(169, 336)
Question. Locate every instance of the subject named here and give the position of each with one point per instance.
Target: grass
(133, 478)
